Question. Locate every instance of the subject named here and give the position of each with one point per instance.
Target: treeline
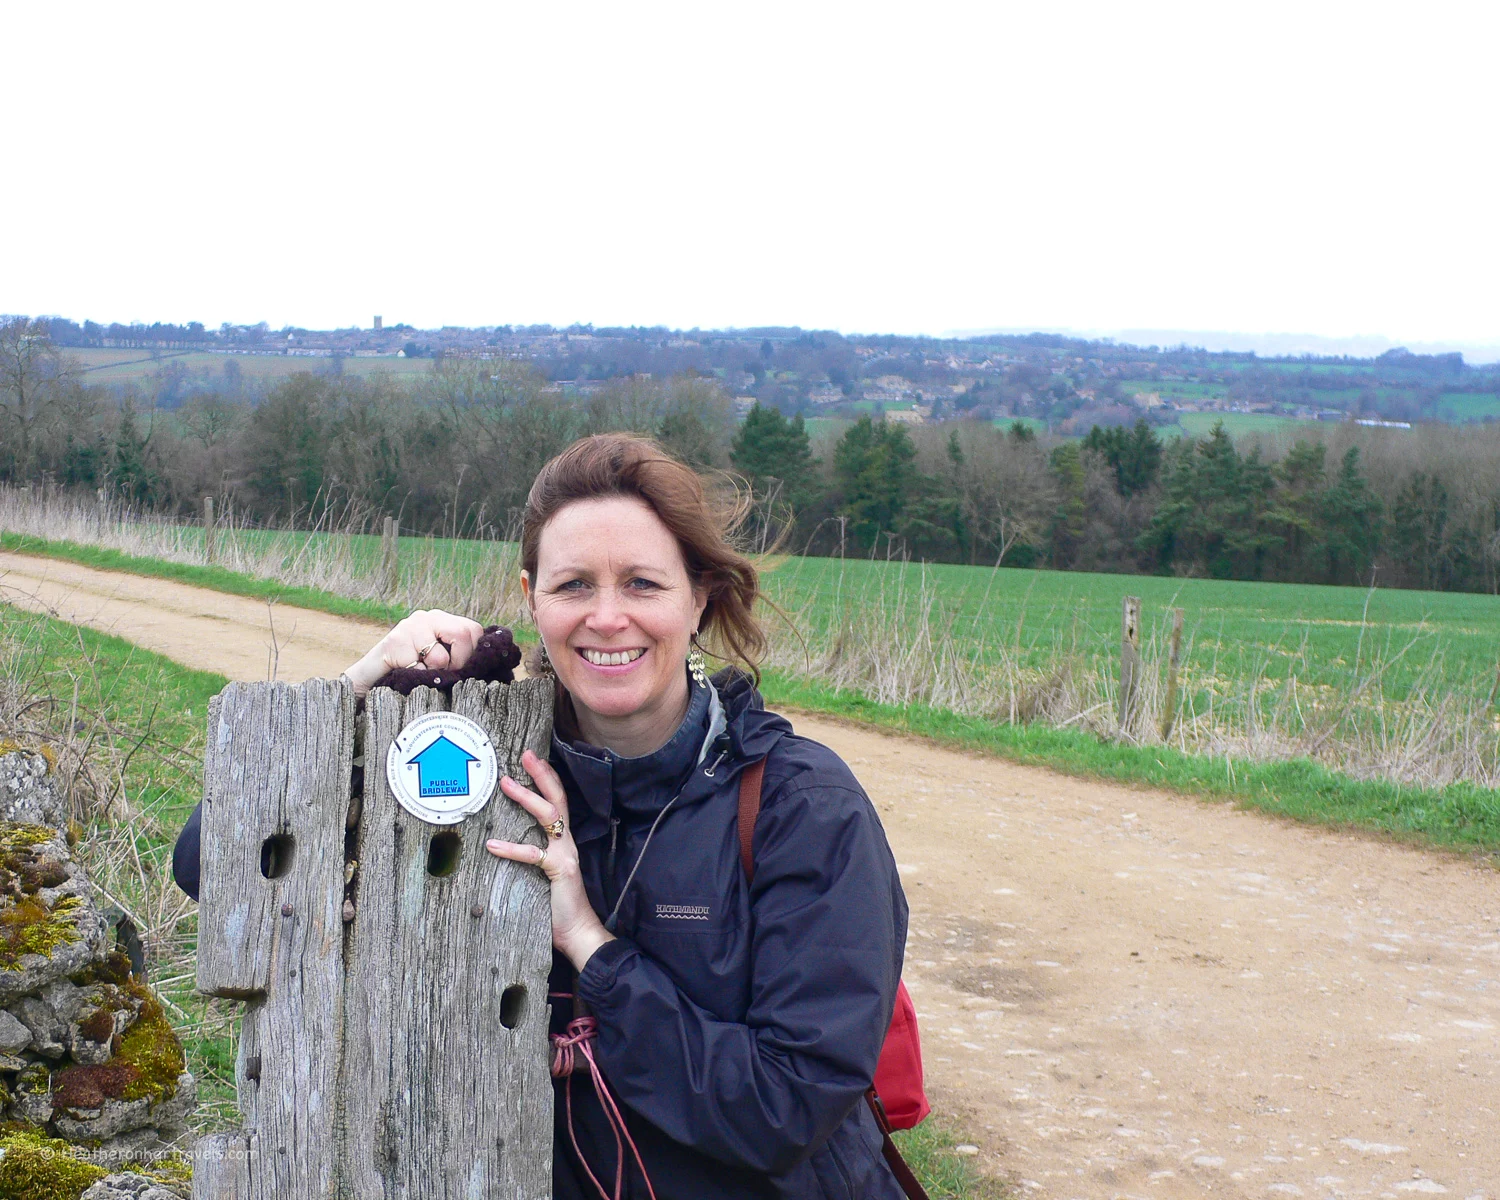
(455, 453)
(1343, 506)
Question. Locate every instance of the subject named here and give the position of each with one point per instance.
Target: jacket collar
(735, 730)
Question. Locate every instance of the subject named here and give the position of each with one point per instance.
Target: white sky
(1309, 167)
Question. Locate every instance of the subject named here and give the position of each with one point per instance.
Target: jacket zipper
(610, 882)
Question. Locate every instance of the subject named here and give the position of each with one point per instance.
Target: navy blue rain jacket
(739, 1024)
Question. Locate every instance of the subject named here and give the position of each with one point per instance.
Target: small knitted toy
(494, 660)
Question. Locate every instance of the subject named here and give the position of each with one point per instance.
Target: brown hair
(624, 464)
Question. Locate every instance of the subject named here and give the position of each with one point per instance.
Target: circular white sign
(442, 768)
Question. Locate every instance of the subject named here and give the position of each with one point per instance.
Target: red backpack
(897, 1099)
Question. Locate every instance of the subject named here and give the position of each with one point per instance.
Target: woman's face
(616, 609)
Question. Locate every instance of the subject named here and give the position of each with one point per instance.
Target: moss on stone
(172, 1169)
(28, 926)
(11, 746)
(115, 969)
(20, 837)
(146, 1065)
(34, 1080)
(153, 1049)
(98, 1026)
(34, 1167)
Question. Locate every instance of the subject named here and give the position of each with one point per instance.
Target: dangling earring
(696, 665)
(542, 660)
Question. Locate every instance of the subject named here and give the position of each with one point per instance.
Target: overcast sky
(1308, 167)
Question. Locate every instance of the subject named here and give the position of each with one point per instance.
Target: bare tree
(31, 374)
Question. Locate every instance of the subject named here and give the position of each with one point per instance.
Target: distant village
(1068, 385)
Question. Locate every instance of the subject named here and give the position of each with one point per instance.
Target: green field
(1234, 628)
(1468, 406)
(1237, 424)
(1176, 390)
(1231, 628)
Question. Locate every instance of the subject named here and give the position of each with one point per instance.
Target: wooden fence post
(208, 527)
(1130, 658)
(394, 1043)
(389, 563)
(103, 509)
(1174, 664)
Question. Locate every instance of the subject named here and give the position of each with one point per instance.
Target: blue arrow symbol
(442, 768)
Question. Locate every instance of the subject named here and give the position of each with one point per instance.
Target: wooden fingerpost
(208, 528)
(1130, 658)
(389, 564)
(394, 1042)
(1174, 665)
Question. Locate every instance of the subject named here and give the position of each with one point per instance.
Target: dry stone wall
(86, 1052)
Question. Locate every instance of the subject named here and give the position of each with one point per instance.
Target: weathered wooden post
(1130, 658)
(1174, 665)
(394, 1043)
(208, 527)
(389, 564)
(103, 509)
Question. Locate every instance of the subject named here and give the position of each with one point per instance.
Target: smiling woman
(719, 1004)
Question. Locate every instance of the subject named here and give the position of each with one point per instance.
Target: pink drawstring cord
(582, 1031)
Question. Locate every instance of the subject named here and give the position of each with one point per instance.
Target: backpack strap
(750, 786)
(750, 782)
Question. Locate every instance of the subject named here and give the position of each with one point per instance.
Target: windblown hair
(623, 464)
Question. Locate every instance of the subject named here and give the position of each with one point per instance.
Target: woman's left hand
(576, 929)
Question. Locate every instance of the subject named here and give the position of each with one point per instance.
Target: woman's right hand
(447, 639)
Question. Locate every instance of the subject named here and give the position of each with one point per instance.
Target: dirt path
(211, 631)
(1123, 993)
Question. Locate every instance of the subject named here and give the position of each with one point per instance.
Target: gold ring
(555, 829)
(425, 651)
(542, 859)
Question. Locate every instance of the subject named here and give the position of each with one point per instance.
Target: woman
(738, 1023)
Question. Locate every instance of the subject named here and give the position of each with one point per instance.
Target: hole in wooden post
(442, 854)
(512, 1005)
(276, 855)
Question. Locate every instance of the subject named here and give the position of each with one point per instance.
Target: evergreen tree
(1296, 512)
(1215, 514)
(875, 466)
(1134, 455)
(1352, 518)
(1067, 529)
(133, 477)
(769, 449)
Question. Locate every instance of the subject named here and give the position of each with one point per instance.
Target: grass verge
(1460, 816)
(216, 578)
(127, 721)
(931, 1151)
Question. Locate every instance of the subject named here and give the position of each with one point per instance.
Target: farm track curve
(1123, 993)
